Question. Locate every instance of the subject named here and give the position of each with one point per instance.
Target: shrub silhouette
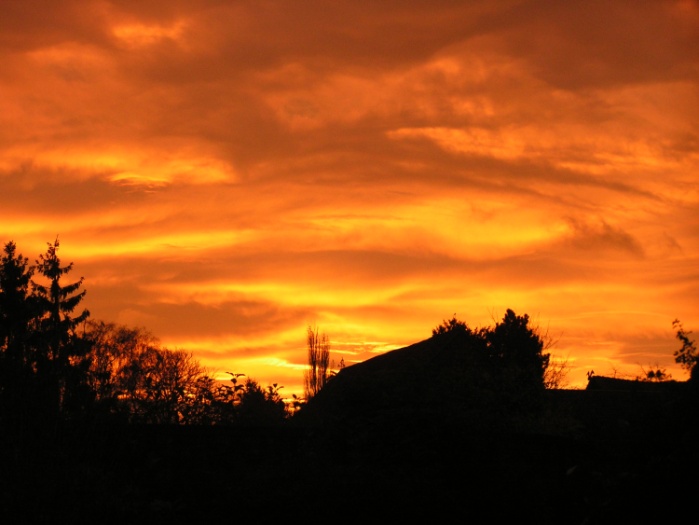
(686, 356)
(508, 358)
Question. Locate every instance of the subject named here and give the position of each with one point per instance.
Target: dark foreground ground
(586, 458)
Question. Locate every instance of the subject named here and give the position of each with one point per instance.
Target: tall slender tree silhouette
(317, 374)
(61, 352)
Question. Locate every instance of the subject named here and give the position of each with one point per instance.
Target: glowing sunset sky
(227, 173)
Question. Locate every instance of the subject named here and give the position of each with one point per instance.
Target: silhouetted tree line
(508, 363)
(57, 365)
(131, 377)
(402, 427)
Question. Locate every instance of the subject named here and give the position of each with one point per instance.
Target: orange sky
(227, 173)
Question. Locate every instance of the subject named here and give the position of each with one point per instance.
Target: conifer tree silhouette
(60, 351)
(17, 310)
